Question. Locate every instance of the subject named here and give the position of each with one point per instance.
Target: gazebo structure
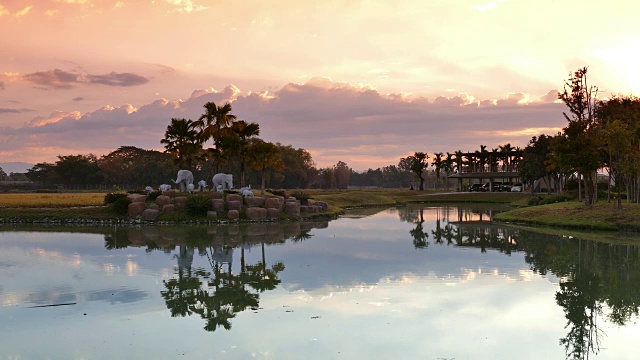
(487, 165)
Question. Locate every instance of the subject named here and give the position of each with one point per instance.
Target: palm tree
(438, 164)
(506, 150)
(215, 122)
(263, 155)
(181, 141)
(244, 131)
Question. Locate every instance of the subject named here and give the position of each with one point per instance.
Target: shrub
(277, 192)
(120, 206)
(302, 196)
(551, 199)
(111, 198)
(152, 196)
(137, 191)
(198, 205)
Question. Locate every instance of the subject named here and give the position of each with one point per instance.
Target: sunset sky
(364, 82)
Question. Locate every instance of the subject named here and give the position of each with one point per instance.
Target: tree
(133, 167)
(243, 131)
(621, 151)
(215, 122)
(534, 163)
(299, 168)
(3, 175)
(262, 156)
(577, 148)
(181, 141)
(342, 174)
(76, 170)
(417, 164)
(438, 164)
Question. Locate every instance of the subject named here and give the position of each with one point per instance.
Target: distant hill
(15, 167)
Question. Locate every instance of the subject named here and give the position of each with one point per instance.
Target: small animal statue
(164, 187)
(247, 193)
(202, 185)
(225, 180)
(242, 189)
(190, 188)
(184, 178)
(148, 189)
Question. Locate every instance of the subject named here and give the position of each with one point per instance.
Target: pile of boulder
(223, 205)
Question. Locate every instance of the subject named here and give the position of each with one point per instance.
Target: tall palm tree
(438, 164)
(506, 150)
(181, 141)
(244, 131)
(215, 122)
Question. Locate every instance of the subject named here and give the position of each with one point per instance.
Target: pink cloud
(334, 121)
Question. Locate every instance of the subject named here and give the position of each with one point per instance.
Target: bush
(277, 192)
(302, 196)
(198, 205)
(120, 206)
(551, 199)
(137, 191)
(152, 196)
(111, 198)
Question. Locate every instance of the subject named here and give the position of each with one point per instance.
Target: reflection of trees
(420, 237)
(596, 280)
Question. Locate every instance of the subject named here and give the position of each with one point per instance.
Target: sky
(363, 82)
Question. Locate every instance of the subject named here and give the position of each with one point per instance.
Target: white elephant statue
(202, 185)
(148, 189)
(190, 188)
(242, 189)
(222, 181)
(247, 193)
(164, 187)
(185, 177)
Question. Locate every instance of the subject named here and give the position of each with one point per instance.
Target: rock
(154, 206)
(169, 193)
(212, 214)
(273, 213)
(256, 201)
(256, 213)
(234, 205)
(323, 205)
(307, 209)
(273, 203)
(234, 197)
(135, 209)
(180, 202)
(218, 205)
(292, 208)
(150, 214)
(169, 208)
(233, 214)
(163, 200)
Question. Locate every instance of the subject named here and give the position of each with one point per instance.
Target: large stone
(292, 208)
(180, 202)
(135, 209)
(212, 214)
(234, 197)
(257, 201)
(215, 195)
(273, 213)
(233, 215)
(256, 213)
(273, 203)
(307, 209)
(234, 205)
(150, 214)
(169, 193)
(323, 205)
(218, 205)
(154, 206)
(169, 208)
(163, 200)
(137, 198)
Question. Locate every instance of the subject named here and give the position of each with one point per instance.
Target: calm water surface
(407, 283)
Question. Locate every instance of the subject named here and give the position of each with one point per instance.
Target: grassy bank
(601, 216)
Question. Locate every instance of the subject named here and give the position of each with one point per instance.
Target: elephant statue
(190, 188)
(202, 185)
(247, 193)
(148, 189)
(164, 187)
(222, 181)
(185, 177)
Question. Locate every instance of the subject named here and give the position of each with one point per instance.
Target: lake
(415, 282)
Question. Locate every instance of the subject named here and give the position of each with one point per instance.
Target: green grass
(601, 216)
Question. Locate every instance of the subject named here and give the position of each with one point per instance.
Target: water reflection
(596, 279)
(215, 294)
